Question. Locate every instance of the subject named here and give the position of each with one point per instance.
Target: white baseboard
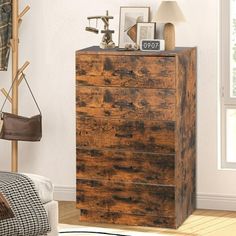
(64, 193)
(216, 202)
(204, 200)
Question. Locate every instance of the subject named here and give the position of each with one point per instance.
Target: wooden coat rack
(16, 71)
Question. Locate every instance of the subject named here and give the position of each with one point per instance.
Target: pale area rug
(65, 230)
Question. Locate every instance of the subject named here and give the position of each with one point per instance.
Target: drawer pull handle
(123, 199)
(124, 104)
(124, 135)
(124, 168)
(123, 72)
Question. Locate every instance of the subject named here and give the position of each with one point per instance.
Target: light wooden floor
(202, 222)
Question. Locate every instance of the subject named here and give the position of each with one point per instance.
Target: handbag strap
(28, 88)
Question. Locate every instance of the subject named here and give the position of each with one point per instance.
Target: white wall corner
(64, 193)
(216, 202)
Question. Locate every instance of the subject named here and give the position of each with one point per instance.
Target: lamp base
(169, 36)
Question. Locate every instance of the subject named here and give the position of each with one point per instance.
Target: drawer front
(126, 219)
(126, 71)
(132, 103)
(126, 197)
(125, 166)
(145, 136)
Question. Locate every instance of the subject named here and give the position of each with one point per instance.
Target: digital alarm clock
(152, 45)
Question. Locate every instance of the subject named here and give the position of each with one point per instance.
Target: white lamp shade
(169, 12)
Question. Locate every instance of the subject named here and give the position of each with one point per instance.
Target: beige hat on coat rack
(169, 13)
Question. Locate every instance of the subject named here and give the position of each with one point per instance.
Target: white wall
(51, 33)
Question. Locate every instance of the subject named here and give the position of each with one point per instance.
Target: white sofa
(44, 188)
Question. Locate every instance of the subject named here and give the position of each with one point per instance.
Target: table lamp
(169, 13)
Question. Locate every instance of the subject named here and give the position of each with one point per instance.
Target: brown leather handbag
(19, 128)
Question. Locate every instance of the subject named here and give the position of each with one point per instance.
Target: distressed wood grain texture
(185, 171)
(123, 71)
(127, 103)
(127, 166)
(136, 136)
(146, 136)
(126, 219)
(124, 197)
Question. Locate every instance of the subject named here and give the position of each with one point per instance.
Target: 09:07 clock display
(152, 45)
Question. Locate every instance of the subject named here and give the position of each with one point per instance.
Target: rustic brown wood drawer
(133, 135)
(125, 166)
(128, 103)
(126, 219)
(124, 197)
(126, 71)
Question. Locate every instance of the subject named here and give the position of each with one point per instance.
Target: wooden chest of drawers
(136, 136)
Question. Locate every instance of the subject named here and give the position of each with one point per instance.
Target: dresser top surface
(117, 51)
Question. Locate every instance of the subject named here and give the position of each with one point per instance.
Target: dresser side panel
(185, 172)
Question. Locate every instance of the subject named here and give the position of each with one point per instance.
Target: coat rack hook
(21, 71)
(23, 67)
(27, 8)
(4, 92)
(20, 79)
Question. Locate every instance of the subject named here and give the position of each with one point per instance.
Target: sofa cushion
(43, 186)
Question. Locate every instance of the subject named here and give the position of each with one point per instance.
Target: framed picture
(145, 30)
(129, 17)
